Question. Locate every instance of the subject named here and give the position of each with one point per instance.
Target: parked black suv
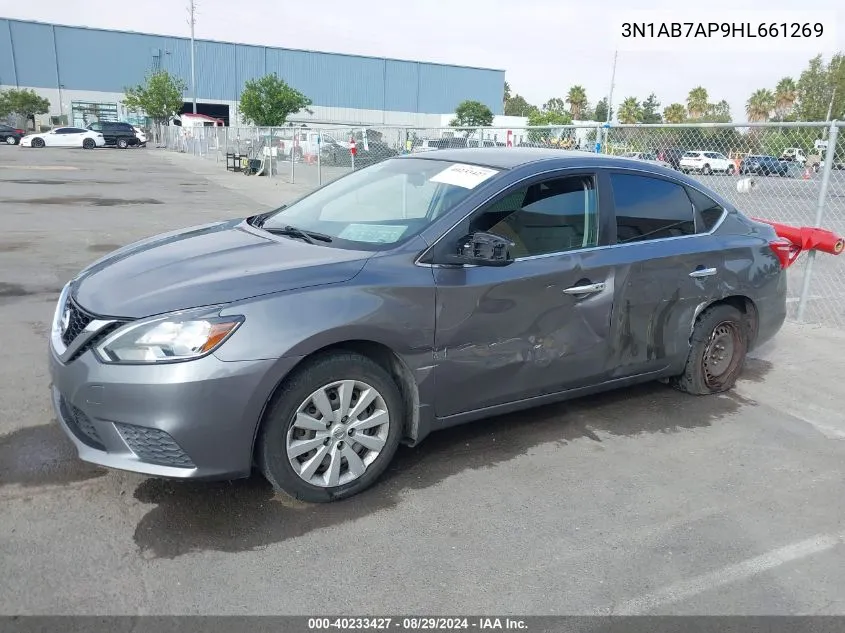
(764, 166)
(671, 155)
(120, 134)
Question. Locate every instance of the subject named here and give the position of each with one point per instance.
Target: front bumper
(195, 419)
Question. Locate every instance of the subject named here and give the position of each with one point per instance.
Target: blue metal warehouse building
(84, 71)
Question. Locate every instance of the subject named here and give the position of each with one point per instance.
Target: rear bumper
(771, 314)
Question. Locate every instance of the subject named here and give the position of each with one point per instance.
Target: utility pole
(610, 99)
(192, 21)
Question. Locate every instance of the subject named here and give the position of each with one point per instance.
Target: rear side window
(650, 209)
(708, 211)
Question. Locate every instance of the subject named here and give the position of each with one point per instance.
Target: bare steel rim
(721, 356)
(337, 433)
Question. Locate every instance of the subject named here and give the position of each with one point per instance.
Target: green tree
(630, 111)
(472, 114)
(160, 97)
(23, 103)
(601, 113)
(651, 110)
(814, 91)
(760, 105)
(269, 101)
(518, 106)
(506, 97)
(786, 93)
(577, 100)
(717, 113)
(675, 113)
(555, 104)
(697, 102)
(546, 118)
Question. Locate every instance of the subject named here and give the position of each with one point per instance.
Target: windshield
(383, 205)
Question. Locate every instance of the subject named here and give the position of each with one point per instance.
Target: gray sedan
(422, 292)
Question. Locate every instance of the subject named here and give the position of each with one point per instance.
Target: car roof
(511, 157)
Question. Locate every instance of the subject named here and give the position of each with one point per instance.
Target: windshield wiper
(258, 220)
(292, 231)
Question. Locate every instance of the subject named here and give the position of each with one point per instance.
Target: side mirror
(484, 249)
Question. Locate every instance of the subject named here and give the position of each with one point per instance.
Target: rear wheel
(731, 169)
(122, 143)
(88, 143)
(332, 429)
(38, 142)
(706, 170)
(717, 354)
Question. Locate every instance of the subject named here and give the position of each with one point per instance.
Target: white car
(65, 137)
(141, 136)
(648, 158)
(707, 163)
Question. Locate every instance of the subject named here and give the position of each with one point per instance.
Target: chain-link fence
(792, 173)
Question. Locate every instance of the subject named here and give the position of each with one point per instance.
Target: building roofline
(281, 48)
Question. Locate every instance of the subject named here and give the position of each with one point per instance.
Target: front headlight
(167, 339)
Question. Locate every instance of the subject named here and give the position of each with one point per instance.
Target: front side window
(385, 204)
(552, 216)
(649, 209)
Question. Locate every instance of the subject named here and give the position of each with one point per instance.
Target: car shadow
(247, 514)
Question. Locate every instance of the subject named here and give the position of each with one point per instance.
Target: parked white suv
(706, 163)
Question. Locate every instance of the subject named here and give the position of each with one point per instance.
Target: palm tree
(697, 102)
(630, 111)
(786, 94)
(577, 100)
(674, 113)
(760, 105)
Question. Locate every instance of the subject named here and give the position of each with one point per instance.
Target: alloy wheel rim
(720, 358)
(337, 433)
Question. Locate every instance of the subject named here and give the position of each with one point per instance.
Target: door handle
(585, 290)
(703, 272)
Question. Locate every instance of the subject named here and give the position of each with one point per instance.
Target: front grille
(99, 336)
(77, 320)
(80, 425)
(154, 446)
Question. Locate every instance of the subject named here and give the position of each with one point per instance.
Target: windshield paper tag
(466, 176)
(374, 233)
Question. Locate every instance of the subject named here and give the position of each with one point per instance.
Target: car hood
(207, 265)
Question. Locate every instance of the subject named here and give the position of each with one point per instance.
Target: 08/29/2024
(415, 623)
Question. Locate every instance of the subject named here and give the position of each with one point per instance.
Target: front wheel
(122, 143)
(38, 142)
(11, 140)
(706, 170)
(717, 354)
(331, 429)
(88, 143)
(731, 169)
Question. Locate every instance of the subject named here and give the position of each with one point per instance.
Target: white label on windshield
(375, 233)
(466, 176)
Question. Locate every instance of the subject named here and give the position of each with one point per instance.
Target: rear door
(539, 325)
(64, 137)
(667, 266)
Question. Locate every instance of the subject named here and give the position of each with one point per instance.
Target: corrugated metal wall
(43, 55)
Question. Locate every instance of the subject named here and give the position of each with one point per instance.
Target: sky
(545, 46)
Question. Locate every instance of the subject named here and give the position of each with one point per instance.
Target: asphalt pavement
(644, 500)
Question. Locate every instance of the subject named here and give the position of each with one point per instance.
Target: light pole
(192, 21)
(610, 99)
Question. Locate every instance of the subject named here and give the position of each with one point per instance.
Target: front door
(539, 325)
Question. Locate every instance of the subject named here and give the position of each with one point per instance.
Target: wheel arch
(381, 354)
(742, 303)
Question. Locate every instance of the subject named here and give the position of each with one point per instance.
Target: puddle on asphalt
(103, 248)
(755, 369)
(15, 292)
(10, 247)
(89, 200)
(244, 515)
(39, 455)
